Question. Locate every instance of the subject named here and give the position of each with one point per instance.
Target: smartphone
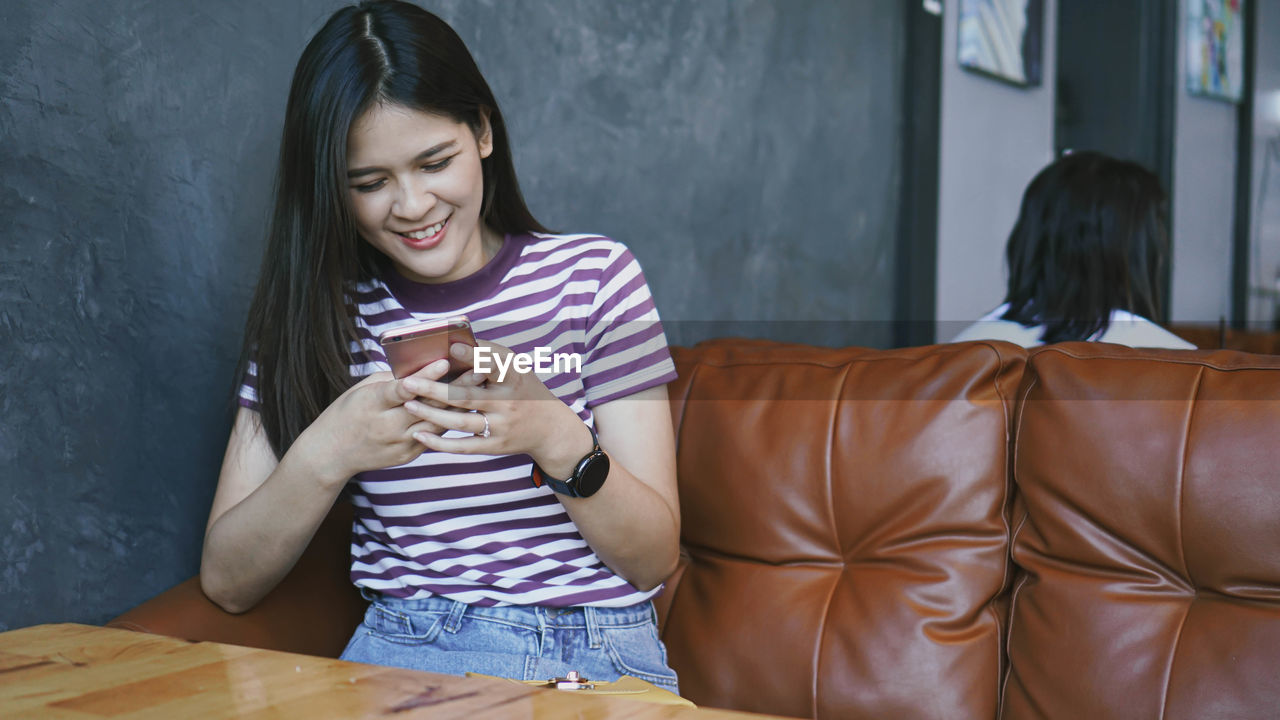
(413, 347)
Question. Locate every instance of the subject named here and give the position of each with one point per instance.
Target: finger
(463, 353)
(424, 427)
(460, 445)
(468, 422)
(460, 396)
(407, 388)
(433, 370)
(470, 378)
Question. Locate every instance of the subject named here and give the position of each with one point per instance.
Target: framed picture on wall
(1002, 39)
(1215, 48)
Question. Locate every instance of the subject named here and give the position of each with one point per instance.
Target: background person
(1085, 258)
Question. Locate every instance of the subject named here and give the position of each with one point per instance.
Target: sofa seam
(1199, 362)
(835, 532)
(822, 635)
(1014, 532)
(831, 440)
(1173, 658)
(1182, 479)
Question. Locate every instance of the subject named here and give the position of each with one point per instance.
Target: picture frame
(1215, 48)
(1002, 39)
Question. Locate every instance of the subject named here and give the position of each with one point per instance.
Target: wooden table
(81, 671)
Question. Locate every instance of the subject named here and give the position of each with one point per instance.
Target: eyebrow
(434, 150)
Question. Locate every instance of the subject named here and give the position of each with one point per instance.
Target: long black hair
(300, 331)
(1090, 239)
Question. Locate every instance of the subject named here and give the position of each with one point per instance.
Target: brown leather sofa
(952, 531)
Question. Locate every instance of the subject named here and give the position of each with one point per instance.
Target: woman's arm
(265, 512)
(633, 522)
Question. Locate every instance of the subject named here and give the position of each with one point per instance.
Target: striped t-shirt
(473, 528)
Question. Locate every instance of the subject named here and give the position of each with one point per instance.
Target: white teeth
(424, 234)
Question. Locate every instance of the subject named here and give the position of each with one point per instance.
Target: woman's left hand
(519, 413)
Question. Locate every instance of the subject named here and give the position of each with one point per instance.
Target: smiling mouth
(426, 232)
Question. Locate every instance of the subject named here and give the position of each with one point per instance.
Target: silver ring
(485, 431)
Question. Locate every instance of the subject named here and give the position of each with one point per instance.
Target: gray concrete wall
(747, 150)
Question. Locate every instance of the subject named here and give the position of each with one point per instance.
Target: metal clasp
(572, 681)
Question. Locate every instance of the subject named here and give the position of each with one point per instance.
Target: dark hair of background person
(299, 327)
(1090, 239)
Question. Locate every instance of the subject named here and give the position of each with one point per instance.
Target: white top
(1125, 329)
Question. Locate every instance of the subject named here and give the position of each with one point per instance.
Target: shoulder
(1005, 330)
(573, 245)
(992, 327)
(583, 254)
(1136, 331)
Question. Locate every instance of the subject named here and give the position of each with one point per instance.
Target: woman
(397, 202)
(1085, 258)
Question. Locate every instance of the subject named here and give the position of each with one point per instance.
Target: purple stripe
(571, 600)
(496, 566)
(364, 357)
(401, 499)
(435, 494)
(629, 288)
(549, 269)
(598, 573)
(636, 314)
(473, 531)
(617, 343)
(454, 571)
(662, 379)
(528, 543)
(386, 317)
(520, 305)
(545, 330)
(376, 294)
(413, 472)
(588, 597)
(654, 359)
(535, 253)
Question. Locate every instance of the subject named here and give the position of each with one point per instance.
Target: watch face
(591, 474)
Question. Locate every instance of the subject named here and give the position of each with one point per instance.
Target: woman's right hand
(368, 428)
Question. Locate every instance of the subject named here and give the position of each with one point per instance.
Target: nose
(414, 200)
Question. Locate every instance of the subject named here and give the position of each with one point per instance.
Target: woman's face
(416, 188)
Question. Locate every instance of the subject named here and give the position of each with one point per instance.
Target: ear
(484, 134)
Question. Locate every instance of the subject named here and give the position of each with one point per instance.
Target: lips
(425, 238)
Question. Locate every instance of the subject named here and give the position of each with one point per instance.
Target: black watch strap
(588, 475)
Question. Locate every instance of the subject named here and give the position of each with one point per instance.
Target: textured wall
(747, 150)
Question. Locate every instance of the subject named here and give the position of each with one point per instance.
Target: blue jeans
(513, 641)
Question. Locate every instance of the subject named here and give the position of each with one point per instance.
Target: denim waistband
(533, 616)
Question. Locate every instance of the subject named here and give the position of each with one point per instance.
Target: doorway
(1116, 86)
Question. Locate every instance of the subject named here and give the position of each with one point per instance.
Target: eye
(438, 166)
(370, 187)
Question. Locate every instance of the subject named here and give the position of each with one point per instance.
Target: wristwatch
(587, 477)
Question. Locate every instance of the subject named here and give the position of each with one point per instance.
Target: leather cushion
(844, 528)
(1147, 536)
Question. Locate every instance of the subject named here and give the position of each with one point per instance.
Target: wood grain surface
(82, 671)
